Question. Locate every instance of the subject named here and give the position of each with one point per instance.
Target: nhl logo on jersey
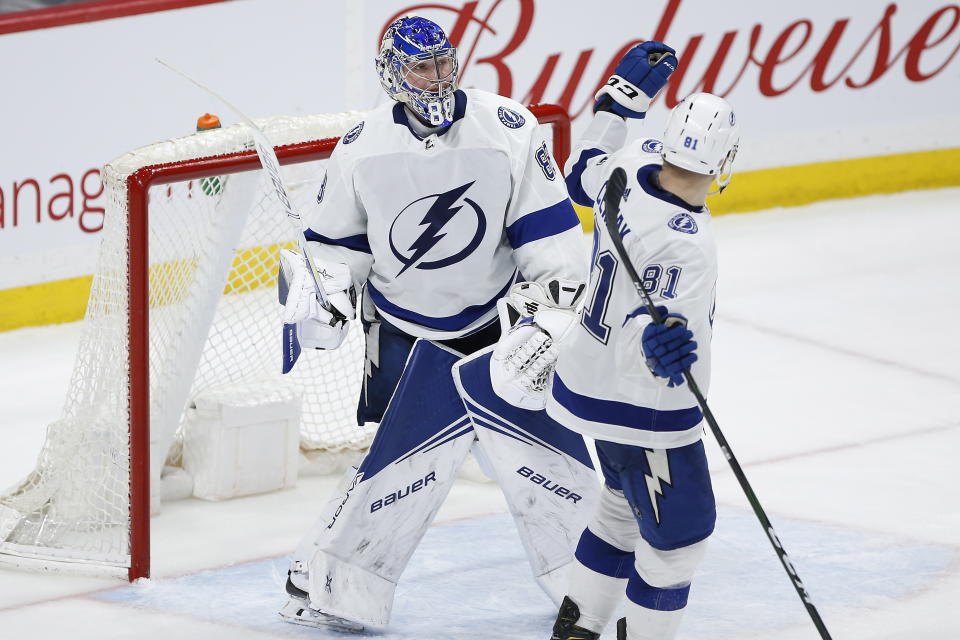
(353, 134)
(652, 146)
(510, 118)
(546, 162)
(683, 222)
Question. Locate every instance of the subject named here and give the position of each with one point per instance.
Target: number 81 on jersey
(594, 314)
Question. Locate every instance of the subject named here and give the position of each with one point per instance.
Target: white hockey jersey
(440, 227)
(602, 386)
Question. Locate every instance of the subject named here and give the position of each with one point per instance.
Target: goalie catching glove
(307, 322)
(534, 317)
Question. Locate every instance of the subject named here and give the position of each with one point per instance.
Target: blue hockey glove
(669, 348)
(642, 72)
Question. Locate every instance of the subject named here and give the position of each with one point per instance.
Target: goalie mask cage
(183, 303)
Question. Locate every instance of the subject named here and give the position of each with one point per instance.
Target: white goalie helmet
(702, 136)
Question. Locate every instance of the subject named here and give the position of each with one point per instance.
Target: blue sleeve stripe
(541, 224)
(449, 323)
(597, 554)
(624, 414)
(357, 242)
(639, 311)
(574, 188)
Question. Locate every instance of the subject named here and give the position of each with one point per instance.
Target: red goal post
(117, 536)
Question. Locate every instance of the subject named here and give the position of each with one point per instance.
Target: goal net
(183, 303)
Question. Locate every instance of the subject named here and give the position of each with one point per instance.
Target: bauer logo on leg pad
(552, 487)
(376, 505)
(356, 480)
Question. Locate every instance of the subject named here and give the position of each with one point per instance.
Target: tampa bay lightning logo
(652, 146)
(510, 118)
(683, 222)
(546, 162)
(353, 134)
(449, 236)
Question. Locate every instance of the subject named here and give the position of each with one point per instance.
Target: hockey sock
(598, 579)
(651, 624)
(653, 613)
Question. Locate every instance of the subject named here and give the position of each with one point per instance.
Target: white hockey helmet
(702, 136)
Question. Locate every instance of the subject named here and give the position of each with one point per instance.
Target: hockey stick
(611, 208)
(268, 158)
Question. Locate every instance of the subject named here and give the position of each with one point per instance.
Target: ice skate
(297, 610)
(565, 627)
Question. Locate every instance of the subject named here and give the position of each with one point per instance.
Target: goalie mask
(702, 136)
(417, 65)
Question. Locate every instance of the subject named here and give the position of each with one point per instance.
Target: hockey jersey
(440, 226)
(601, 386)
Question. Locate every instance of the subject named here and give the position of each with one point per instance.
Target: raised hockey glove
(642, 72)
(669, 348)
(533, 318)
(307, 323)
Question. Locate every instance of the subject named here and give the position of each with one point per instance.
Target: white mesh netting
(214, 323)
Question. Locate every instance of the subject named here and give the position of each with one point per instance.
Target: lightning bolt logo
(659, 471)
(373, 355)
(440, 213)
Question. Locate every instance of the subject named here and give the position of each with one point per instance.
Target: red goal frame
(138, 198)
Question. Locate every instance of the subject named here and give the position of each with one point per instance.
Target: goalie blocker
(307, 322)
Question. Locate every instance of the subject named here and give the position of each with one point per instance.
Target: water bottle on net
(214, 185)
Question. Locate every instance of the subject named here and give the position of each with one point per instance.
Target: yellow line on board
(803, 184)
(46, 303)
(66, 300)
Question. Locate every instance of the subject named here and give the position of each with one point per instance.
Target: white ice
(836, 381)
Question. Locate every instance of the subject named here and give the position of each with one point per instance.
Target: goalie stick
(268, 158)
(611, 208)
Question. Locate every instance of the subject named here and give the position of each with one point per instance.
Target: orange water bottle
(210, 186)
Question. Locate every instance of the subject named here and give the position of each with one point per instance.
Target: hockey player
(619, 377)
(441, 203)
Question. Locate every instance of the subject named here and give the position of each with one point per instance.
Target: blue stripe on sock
(599, 555)
(639, 592)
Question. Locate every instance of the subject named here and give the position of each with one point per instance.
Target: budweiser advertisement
(812, 82)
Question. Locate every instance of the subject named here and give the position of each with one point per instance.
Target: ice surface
(836, 381)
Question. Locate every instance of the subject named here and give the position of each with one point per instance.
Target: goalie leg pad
(370, 533)
(543, 469)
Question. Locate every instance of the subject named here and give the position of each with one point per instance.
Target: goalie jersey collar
(400, 115)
